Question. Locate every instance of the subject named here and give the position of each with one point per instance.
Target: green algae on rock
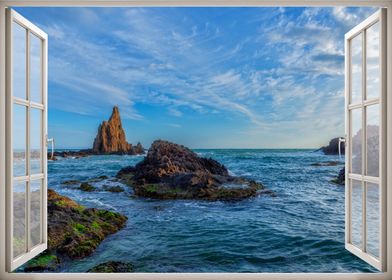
(112, 266)
(73, 231)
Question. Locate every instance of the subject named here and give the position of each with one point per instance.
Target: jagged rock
(333, 147)
(73, 231)
(111, 138)
(112, 266)
(172, 171)
(138, 149)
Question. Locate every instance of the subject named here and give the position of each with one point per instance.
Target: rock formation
(333, 147)
(111, 138)
(172, 171)
(73, 231)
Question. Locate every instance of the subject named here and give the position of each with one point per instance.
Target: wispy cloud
(271, 70)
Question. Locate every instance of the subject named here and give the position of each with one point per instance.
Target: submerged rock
(111, 138)
(115, 189)
(98, 179)
(171, 171)
(341, 179)
(71, 182)
(73, 231)
(333, 147)
(112, 266)
(326, 163)
(87, 187)
(70, 154)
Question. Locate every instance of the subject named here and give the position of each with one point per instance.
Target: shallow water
(299, 230)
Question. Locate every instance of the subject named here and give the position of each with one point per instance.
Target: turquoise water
(299, 230)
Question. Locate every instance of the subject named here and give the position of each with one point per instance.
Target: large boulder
(333, 147)
(111, 138)
(171, 171)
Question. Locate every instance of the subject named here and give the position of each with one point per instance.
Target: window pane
(356, 141)
(373, 61)
(35, 69)
(356, 213)
(19, 61)
(356, 69)
(19, 140)
(19, 215)
(373, 139)
(35, 141)
(373, 219)
(35, 212)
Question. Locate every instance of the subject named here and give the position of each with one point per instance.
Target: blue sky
(202, 77)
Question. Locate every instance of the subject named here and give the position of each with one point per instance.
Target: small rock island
(172, 171)
(110, 140)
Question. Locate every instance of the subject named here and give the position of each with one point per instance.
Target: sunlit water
(299, 230)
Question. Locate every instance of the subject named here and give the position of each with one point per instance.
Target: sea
(301, 229)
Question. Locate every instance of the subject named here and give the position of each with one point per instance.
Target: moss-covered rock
(43, 262)
(86, 187)
(74, 231)
(112, 266)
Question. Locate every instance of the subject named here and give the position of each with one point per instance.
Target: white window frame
(380, 180)
(251, 3)
(13, 263)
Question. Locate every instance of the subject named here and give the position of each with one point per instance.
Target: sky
(201, 77)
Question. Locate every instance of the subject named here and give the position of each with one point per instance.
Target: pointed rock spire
(111, 137)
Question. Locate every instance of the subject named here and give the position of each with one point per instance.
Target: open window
(26, 172)
(366, 140)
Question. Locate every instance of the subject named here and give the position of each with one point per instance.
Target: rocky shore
(73, 232)
(172, 171)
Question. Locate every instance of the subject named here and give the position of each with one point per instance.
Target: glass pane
(35, 69)
(373, 61)
(373, 139)
(35, 141)
(373, 219)
(356, 69)
(19, 61)
(19, 140)
(356, 213)
(356, 141)
(35, 212)
(19, 215)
